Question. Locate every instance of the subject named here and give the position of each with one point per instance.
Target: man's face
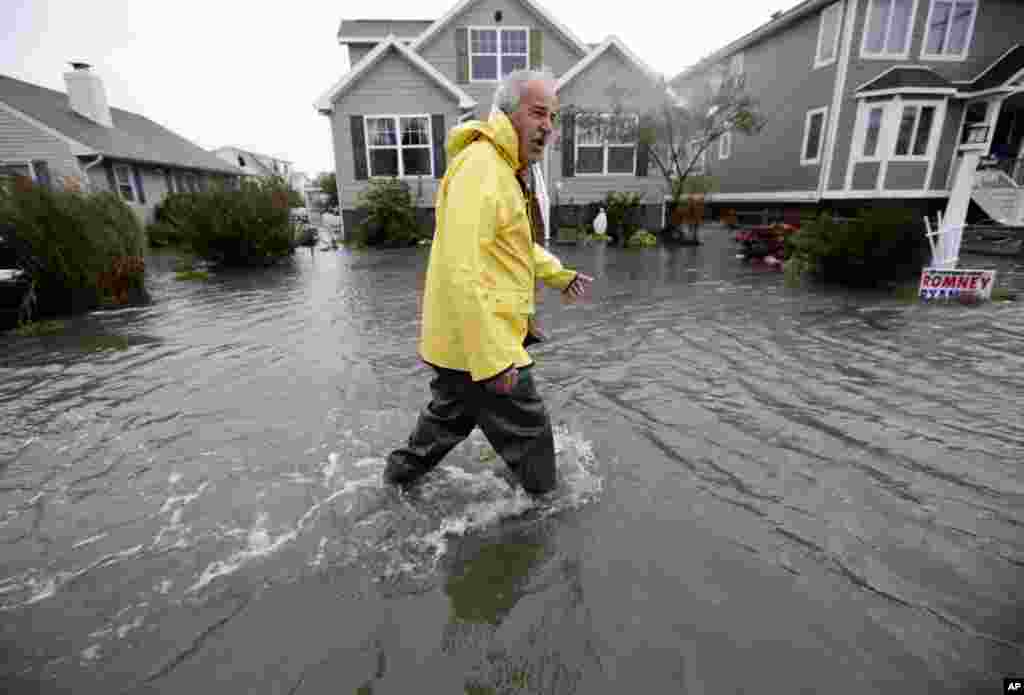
(534, 120)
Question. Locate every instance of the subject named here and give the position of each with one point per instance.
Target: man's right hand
(504, 383)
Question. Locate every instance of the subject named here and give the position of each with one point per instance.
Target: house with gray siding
(77, 141)
(873, 102)
(411, 82)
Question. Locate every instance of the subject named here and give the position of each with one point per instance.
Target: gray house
(76, 140)
(878, 100)
(410, 82)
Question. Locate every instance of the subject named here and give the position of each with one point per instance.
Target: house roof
(374, 30)
(1001, 71)
(252, 161)
(133, 137)
(907, 76)
(462, 5)
(609, 43)
(325, 104)
(777, 23)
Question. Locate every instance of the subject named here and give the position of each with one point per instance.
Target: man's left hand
(579, 287)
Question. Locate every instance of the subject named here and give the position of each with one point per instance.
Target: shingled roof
(133, 137)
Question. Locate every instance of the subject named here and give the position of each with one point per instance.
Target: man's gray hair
(510, 91)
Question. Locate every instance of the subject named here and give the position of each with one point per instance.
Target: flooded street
(763, 490)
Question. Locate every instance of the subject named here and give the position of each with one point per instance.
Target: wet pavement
(763, 490)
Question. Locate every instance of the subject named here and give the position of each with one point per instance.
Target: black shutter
(536, 49)
(438, 133)
(169, 180)
(138, 184)
(568, 146)
(462, 55)
(108, 166)
(358, 148)
(42, 173)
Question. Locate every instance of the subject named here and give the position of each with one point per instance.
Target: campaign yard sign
(956, 284)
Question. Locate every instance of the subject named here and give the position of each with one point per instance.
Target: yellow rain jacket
(484, 264)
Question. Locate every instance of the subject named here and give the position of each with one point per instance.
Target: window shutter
(536, 49)
(111, 181)
(138, 184)
(437, 134)
(358, 148)
(642, 149)
(568, 146)
(42, 173)
(462, 55)
(169, 180)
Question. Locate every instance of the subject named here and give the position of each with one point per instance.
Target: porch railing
(1013, 168)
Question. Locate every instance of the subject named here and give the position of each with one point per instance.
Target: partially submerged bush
(880, 245)
(246, 227)
(78, 250)
(641, 240)
(390, 216)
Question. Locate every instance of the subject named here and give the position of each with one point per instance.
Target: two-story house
(875, 102)
(76, 140)
(255, 165)
(410, 82)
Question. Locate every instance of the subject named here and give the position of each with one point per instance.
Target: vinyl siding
(21, 140)
(588, 91)
(392, 87)
(781, 76)
(439, 51)
(996, 30)
(358, 52)
(906, 176)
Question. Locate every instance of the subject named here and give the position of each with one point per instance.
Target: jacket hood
(498, 129)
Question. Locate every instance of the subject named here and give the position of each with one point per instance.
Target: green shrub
(623, 213)
(880, 245)
(246, 227)
(78, 250)
(390, 216)
(642, 240)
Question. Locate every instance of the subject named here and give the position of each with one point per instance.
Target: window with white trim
(915, 129)
(725, 145)
(872, 132)
(399, 146)
(814, 132)
(604, 146)
(125, 184)
(888, 28)
(828, 35)
(949, 29)
(494, 53)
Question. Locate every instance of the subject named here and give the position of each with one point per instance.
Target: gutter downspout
(87, 167)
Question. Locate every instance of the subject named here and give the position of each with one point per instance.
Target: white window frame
(886, 54)
(498, 55)
(604, 148)
(933, 136)
(398, 145)
(837, 8)
(736, 65)
(954, 57)
(131, 182)
(725, 145)
(807, 133)
(861, 131)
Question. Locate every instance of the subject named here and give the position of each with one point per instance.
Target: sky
(246, 74)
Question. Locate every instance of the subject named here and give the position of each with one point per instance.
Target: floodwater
(763, 490)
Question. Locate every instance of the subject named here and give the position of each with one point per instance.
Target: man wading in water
(479, 295)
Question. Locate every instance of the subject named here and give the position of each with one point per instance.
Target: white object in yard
(10, 273)
(600, 223)
(944, 242)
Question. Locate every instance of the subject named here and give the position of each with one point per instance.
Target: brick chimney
(86, 95)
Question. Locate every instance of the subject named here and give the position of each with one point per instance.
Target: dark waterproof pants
(517, 426)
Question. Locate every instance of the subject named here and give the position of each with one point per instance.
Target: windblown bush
(78, 250)
(880, 245)
(247, 227)
(390, 216)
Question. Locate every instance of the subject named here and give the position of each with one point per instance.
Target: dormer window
(494, 53)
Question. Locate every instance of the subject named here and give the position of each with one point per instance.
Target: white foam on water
(90, 539)
(164, 586)
(91, 653)
(174, 478)
(123, 630)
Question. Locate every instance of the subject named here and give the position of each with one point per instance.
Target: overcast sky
(226, 72)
